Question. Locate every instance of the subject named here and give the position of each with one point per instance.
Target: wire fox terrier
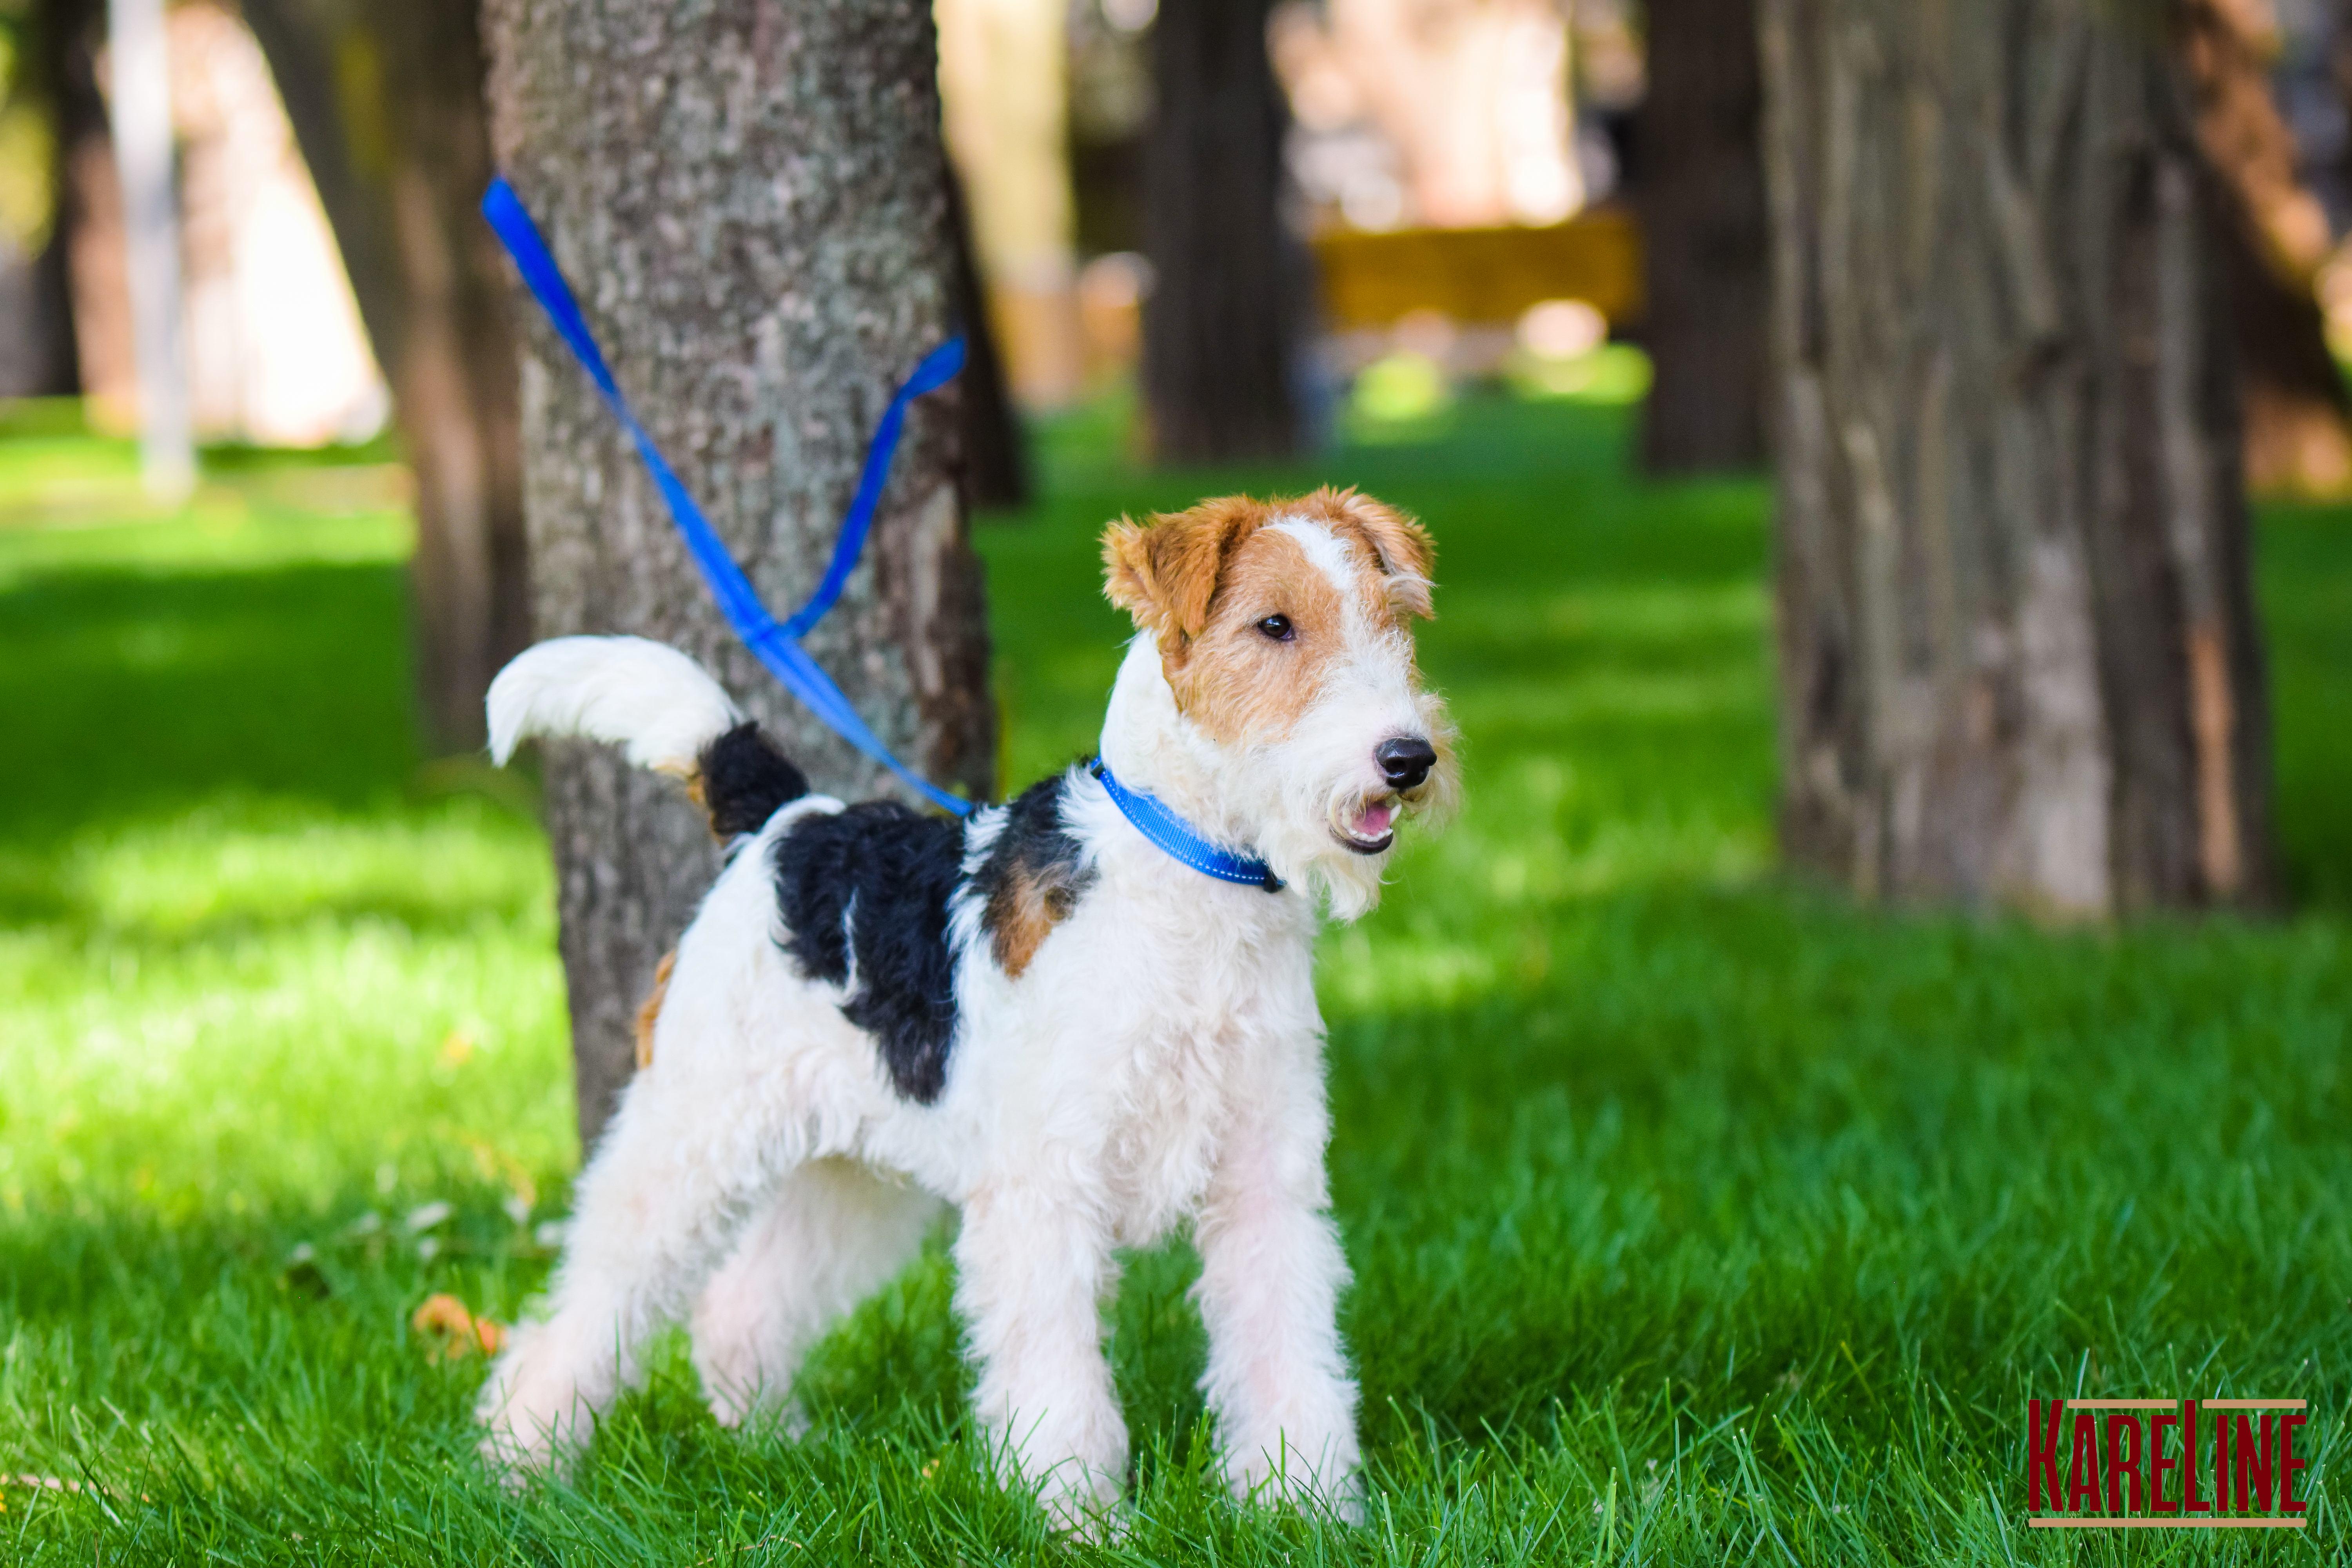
(1048, 1018)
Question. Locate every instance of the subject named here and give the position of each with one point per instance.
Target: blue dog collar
(1179, 838)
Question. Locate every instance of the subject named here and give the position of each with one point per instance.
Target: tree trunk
(386, 100)
(37, 359)
(139, 106)
(1221, 326)
(1700, 194)
(2276, 239)
(90, 221)
(749, 198)
(2019, 664)
(25, 320)
(996, 449)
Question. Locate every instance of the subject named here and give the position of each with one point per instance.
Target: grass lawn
(1696, 1216)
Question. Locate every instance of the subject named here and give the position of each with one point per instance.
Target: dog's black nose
(1405, 762)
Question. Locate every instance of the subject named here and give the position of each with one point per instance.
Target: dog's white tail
(646, 696)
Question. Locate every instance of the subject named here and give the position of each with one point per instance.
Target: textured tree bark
(2019, 657)
(386, 100)
(1701, 200)
(749, 198)
(1221, 327)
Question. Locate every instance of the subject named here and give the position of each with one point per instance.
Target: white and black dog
(1049, 1018)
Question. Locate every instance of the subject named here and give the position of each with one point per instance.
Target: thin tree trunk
(89, 216)
(37, 359)
(301, 40)
(2019, 664)
(751, 200)
(1221, 326)
(996, 452)
(1700, 196)
(139, 106)
(386, 100)
(25, 359)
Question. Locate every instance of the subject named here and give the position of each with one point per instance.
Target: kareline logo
(2235, 1460)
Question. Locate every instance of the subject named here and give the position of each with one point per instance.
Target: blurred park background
(1890, 467)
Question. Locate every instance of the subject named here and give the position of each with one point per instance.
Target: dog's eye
(1278, 627)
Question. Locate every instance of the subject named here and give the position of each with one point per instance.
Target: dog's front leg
(1271, 1273)
(1033, 1266)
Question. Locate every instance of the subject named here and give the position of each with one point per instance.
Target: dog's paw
(509, 1462)
(1335, 1489)
(735, 1408)
(531, 1413)
(1084, 1506)
(738, 1386)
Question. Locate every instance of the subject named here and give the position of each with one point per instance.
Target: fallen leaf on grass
(50, 1484)
(455, 1331)
(37, 1483)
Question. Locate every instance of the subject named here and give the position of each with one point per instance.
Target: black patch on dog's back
(866, 890)
(1032, 879)
(744, 778)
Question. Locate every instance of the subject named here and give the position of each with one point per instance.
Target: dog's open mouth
(1371, 829)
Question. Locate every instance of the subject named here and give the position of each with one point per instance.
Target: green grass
(1696, 1216)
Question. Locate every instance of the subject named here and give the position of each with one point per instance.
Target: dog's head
(1285, 632)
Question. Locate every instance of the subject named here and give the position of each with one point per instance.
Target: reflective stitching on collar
(1178, 839)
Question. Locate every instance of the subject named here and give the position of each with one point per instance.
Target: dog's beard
(1326, 823)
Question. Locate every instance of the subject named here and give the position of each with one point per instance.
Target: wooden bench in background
(1481, 275)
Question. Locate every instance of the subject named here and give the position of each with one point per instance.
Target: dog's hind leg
(835, 1232)
(683, 1164)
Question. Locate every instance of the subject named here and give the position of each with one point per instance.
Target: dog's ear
(1164, 570)
(1402, 547)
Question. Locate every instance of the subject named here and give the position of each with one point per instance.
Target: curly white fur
(653, 701)
(1158, 1060)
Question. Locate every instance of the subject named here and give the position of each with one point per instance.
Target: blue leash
(1180, 838)
(775, 645)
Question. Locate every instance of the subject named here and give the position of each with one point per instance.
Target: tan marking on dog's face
(650, 1012)
(1023, 911)
(1164, 570)
(1206, 581)
(1240, 683)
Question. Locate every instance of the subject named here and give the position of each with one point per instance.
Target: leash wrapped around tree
(776, 644)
